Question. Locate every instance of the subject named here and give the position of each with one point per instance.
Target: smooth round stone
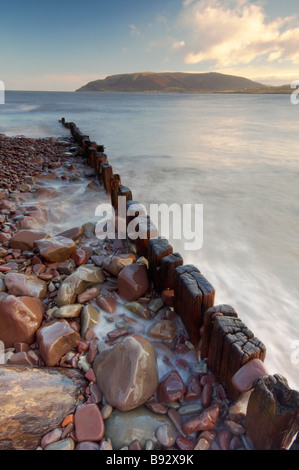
(248, 374)
(127, 374)
(162, 329)
(64, 444)
(55, 339)
(84, 277)
(202, 444)
(24, 239)
(138, 309)
(51, 438)
(106, 411)
(68, 311)
(155, 305)
(122, 428)
(166, 435)
(171, 388)
(89, 424)
(89, 294)
(87, 446)
(56, 249)
(74, 233)
(20, 318)
(149, 445)
(190, 409)
(206, 395)
(22, 285)
(234, 428)
(114, 264)
(90, 317)
(106, 445)
(206, 421)
(133, 282)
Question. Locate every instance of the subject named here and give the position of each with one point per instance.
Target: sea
(234, 155)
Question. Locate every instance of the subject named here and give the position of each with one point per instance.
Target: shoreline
(53, 262)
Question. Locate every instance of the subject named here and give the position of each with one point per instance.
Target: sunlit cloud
(178, 44)
(234, 32)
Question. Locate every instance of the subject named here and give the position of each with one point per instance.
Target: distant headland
(180, 82)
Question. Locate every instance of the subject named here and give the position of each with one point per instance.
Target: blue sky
(61, 45)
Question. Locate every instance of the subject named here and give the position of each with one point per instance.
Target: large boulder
(133, 281)
(34, 401)
(85, 276)
(55, 339)
(114, 264)
(56, 249)
(140, 424)
(20, 318)
(127, 374)
(24, 239)
(25, 285)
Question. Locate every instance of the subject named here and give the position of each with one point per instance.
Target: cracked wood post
(158, 248)
(115, 183)
(232, 345)
(193, 295)
(107, 173)
(34, 401)
(209, 318)
(168, 265)
(272, 418)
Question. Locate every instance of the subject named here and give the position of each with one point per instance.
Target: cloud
(234, 32)
(134, 30)
(178, 44)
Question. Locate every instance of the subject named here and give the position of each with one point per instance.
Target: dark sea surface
(237, 155)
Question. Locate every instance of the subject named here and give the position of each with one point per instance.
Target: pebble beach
(76, 304)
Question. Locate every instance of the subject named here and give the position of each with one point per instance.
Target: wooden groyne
(233, 353)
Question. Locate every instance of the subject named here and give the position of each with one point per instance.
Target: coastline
(108, 259)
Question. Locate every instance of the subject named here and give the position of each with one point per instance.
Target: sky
(52, 45)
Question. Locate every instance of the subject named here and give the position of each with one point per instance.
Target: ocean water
(237, 155)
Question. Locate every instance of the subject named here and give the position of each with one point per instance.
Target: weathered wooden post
(91, 152)
(167, 267)
(209, 318)
(158, 248)
(115, 183)
(124, 191)
(272, 414)
(232, 345)
(193, 295)
(107, 173)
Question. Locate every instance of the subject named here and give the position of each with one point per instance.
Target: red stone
(246, 377)
(193, 389)
(223, 438)
(171, 388)
(89, 424)
(133, 282)
(80, 257)
(55, 339)
(107, 302)
(90, 376)
(184, 444)
(206, 421)
(206, 395)
(20, 317)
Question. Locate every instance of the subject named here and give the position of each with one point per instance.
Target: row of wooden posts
(225, 341)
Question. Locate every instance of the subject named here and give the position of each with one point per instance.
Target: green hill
(178, 82)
